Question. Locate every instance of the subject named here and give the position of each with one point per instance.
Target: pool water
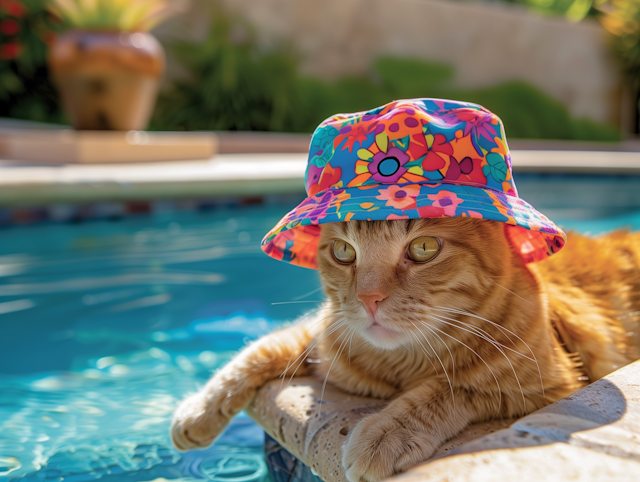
(105, 326)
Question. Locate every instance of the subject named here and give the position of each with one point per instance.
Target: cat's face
(390, 278)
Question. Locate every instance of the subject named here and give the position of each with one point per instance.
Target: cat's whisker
(453, 363)
(335, 357)
(295, 325)
(436, 354)
(514, 294)
(333, 327)
(478, 332)
(409, 347)
(336, 340)
(349, 351)
(306, 352)
(424, 350)
(295, 302)
(481, 359)
(466, 313)
(498, 347)
(307, 294)
(503, 329)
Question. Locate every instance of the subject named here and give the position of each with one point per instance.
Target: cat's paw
(380, 447)
(197, 422)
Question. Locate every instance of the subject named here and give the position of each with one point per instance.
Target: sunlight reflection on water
(108, 325)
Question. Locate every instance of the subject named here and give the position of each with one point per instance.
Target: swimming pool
(106, 325)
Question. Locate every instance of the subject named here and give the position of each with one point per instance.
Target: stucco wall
(486, 43)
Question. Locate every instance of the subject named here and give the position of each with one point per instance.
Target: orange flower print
(330, 177)
(446, 200)
(352, 134)
(472, 214)
(400, 197)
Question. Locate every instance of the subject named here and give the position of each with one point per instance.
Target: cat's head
(387, 278)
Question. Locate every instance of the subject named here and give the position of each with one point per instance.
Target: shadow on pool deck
(599, 424)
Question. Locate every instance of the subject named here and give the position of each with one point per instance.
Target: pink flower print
(395, 217)
(400, 197)
(446, 200)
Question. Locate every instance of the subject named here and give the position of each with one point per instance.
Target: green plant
(25, 90)
(126, 15)
(232, 85)
(573, 10)
(622, 19)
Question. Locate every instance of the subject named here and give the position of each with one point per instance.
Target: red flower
(433, 161)
(10, 50)
(431, 212)
(14, 8)
(9, 26)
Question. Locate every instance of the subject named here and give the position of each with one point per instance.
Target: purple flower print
(387, 167)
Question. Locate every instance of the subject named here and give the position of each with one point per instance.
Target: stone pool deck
(593, 435)
(235, 174)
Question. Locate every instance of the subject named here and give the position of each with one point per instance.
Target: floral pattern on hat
(410, 159)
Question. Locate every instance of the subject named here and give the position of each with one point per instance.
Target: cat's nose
(371, 300)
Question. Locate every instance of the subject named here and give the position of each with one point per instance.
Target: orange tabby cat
(450, 325)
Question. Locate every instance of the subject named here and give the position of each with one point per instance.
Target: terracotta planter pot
(107, 80)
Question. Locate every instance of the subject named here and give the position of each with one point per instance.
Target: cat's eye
(424, 249)
(343, 252)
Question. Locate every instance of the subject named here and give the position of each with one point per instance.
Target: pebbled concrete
(593, 435)
(314, 432)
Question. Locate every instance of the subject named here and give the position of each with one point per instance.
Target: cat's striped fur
(472, 335)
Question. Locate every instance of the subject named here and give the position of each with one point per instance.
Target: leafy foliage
(222, 93)
(25, 89)
(622, 19)
(126, 15)
(232, 86)
(573, 10)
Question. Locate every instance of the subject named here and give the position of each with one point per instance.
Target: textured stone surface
(315, 433)
(549, 463)
(592, 435)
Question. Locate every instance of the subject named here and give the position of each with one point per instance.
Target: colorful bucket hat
(411, 159)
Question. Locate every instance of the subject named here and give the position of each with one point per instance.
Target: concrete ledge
(234, 174)
(593, 435)
(314, 432)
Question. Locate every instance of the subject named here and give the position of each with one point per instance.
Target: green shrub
(25, 89)
(231, 86)
(222, 93)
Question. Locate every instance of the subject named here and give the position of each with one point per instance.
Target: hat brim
(295, 238)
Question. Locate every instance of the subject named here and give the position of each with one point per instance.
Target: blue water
(105, 326)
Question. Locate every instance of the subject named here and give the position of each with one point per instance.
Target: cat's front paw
(197, 422)
(381, 446)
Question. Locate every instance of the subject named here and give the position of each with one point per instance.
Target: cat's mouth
(382, 331)
(382, 336)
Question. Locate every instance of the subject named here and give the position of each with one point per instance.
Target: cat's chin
(382, 337)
